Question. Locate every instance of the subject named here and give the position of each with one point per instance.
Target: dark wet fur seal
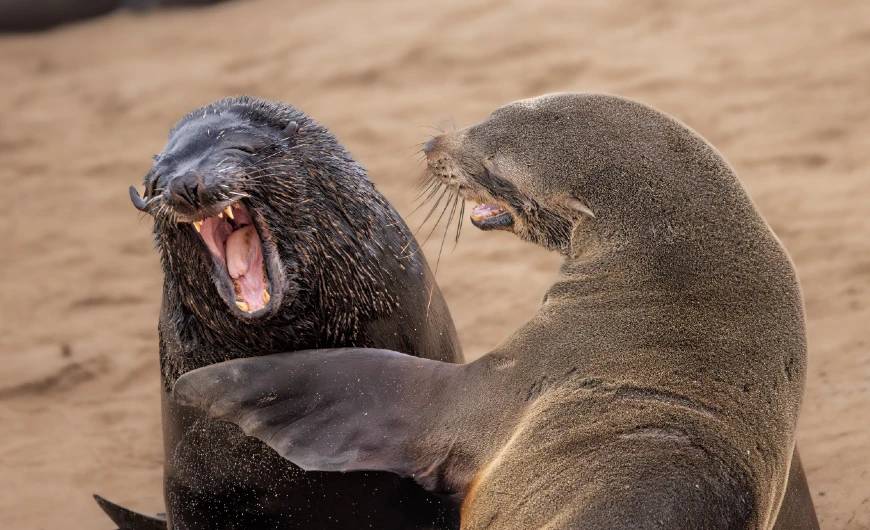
(32, 15)
(36, 15)
(324, 254)
(658, 386)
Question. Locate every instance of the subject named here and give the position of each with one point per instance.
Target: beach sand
(781, 88)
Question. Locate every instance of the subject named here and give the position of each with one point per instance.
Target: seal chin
(237, 249)
(491, 217)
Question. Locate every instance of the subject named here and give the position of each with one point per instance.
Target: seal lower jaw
(491, 217)
(238, 254)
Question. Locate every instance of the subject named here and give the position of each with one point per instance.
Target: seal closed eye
(272, 238)
(658, 386)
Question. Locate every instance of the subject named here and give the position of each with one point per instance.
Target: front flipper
(797, 511)
(127, 519)
(348, 409)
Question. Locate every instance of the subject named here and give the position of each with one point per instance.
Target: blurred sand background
(781, 87)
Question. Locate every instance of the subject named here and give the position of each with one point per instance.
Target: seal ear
(290, 129)
(575, 204)
(327, 410)
(138, 201)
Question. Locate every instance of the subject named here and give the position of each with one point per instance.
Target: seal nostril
(429, 145)
(185, 188)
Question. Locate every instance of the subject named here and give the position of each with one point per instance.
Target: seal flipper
(346, 409)
(797, 511)
(127, 519)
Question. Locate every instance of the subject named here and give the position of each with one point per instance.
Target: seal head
(256, 210)
(206, 180)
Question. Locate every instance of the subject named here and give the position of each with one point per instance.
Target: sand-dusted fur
(659, 384)
(338, 274)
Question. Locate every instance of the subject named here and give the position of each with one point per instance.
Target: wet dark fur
(35, 15)
(337, 238)
(345, 281)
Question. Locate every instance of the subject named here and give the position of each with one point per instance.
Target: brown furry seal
(658, 386)
(272, 238)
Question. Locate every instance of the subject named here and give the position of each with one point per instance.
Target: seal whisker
(416, 147)
(434, 206)
(431, 211)
(459, 224)
(252, 178)
(441, 249)
(270, 156)
(426, 201)
(446, 229)
(438, 221)
(434, 127)
(426, 180)
(150, 202)
(431, 188)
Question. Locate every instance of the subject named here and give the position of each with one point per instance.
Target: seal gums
(234, 241)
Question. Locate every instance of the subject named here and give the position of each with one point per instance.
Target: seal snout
(447, 161)
(184, 190)
(428, 146)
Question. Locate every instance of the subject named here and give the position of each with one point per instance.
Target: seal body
(36, 15)
(272, 239)
(16, 16)
(658, 385)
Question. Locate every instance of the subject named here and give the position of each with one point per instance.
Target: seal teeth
(198, 225)
(221, 215)
(229, 212)
(483, 211)
(244, 306)
(266, 297)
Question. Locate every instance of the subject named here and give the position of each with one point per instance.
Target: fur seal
(272, 238)
(658, 386)
(36, 15)
(33, 15)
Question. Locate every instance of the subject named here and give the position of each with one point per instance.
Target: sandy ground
(782, 88)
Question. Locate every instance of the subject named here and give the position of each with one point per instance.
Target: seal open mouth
(234, 242)
(491, 217)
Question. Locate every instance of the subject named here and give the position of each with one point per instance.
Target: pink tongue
(215, 231)
(245, 265)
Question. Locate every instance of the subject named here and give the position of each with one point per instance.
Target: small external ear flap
(577, 205)
(291, 129)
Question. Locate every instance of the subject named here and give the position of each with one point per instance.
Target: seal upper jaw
(242, 271)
